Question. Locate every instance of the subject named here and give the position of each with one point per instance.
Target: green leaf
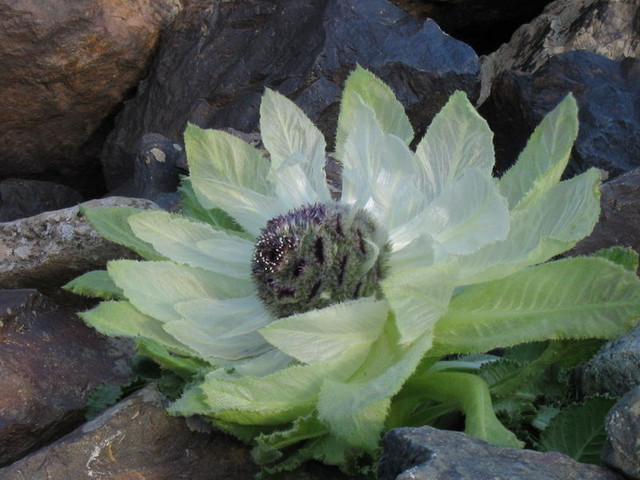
(302, 428)
(97, 283)
(101, 397)
(321, 335)
(548, 227)
(626, 257)
(362, 85)
(578, 430)
(155, 288)
(419, 297)
(571, 298)
(194, 243)
(470, 394)
(185, 367)
(112, 224)
(541, 163)
(356, 409)
(457, 139)
(190, 206)
(274, 399)
(121, 319)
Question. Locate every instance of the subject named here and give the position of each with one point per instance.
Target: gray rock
(49, 363)
(619, 222)
(66, 65)
(48, 250)
(607, 93)
(427, 453)
(217, 57)
(25, 198)
(137, 439)
(615, 369)
(607, 27)
(622, 450)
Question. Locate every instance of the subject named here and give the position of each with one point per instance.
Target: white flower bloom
(316, 310)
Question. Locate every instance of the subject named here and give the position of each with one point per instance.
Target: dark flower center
(318, 255)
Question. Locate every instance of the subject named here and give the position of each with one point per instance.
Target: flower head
(308, 313)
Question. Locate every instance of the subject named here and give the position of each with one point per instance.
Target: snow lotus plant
(298, 318)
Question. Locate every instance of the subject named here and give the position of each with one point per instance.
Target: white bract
(451, 227)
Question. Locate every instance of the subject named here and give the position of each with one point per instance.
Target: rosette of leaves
(308, 325)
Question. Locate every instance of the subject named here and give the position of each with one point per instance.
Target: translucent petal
(457, 139)
(418, 252)
(292, 184)
(155, 288)
(250, 209)
(468, 214)
(379, 172)
(225, 318)
(545, 228)
(194, 243)
(287, 132)
(211, 348)
(363, 85)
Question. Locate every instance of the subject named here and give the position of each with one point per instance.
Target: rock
(158, 165)
(622, 449)
(619, 222)
(48, 250)
(606, 27)
(427, 453)
(483, 24)
(614, 369)
(606, 92)
(49, 364)
(25, 198)
(66, 65)
(217, 57)
(137, 439)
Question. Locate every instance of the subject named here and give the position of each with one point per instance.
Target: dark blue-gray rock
(615, 369)
(48, 250)
(607, 27)
(136, 439)
(608, 96)
(49, 363)
(25, 198)
(159, 162)
(216, 58)
(619, 222)
(622, 449)
(427, 453)
(66, 66)
(483, 24)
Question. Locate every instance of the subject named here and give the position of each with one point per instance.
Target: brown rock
(48, 250)
(607, 27)
(136, 439)
(66, 64)
(49, 364)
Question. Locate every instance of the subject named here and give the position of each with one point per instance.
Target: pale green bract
(464, 273)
